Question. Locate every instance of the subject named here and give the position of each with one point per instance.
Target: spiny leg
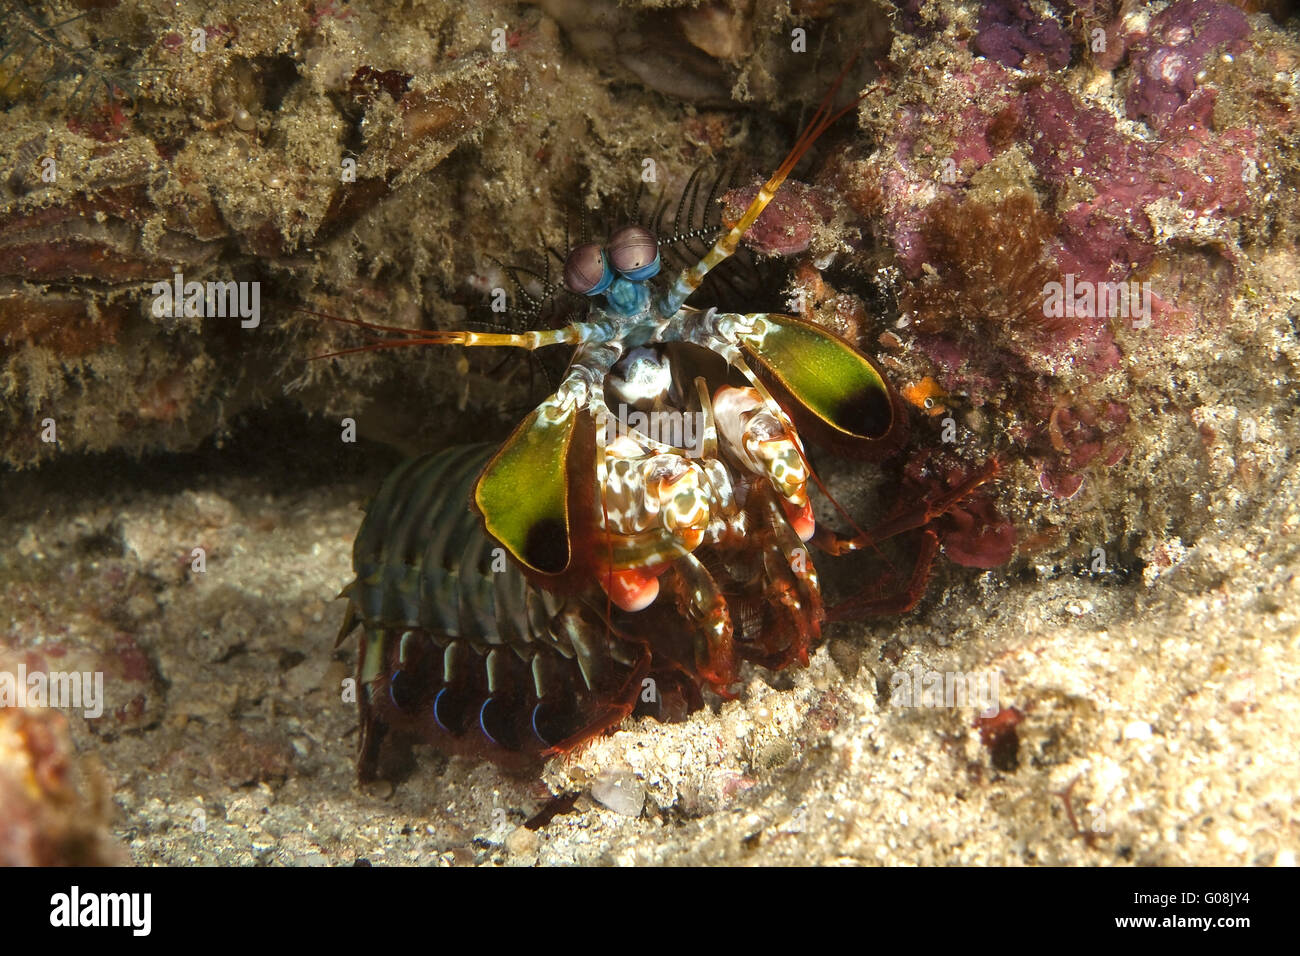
(900, 600)
(614, 704)
(714, 646)
(372, 732)
(789, 566)
(835, 543)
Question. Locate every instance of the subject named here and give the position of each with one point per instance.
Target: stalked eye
(585, 270)
(634, 252)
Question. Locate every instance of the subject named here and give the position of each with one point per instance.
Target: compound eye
(585, 270)
(634, 252)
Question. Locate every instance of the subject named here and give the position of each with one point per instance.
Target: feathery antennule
(822, 120)
(29, 37)
(687, 227)
(688, 197)
(536, 304)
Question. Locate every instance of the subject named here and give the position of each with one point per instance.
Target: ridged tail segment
(458, 648)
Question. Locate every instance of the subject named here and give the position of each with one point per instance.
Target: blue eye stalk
(618, 270)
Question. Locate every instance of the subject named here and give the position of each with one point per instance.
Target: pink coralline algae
(1203, 173)
(786, 226)
(994, 181)
(1168, 60)
(907, 188)
(1078, 436)
(1009, 30)
(909, 174)
(1041, 232)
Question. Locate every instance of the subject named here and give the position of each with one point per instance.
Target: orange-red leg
(832, 542)
(699, 597)
(900, 600)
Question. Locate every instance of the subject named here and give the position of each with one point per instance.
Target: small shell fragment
(620, 791)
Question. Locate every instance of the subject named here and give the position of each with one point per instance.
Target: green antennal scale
(523, 492)
(824, 374)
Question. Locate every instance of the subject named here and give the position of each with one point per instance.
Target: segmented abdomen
(458, 649)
